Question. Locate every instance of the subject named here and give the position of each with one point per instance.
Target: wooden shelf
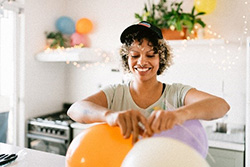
(84, 55)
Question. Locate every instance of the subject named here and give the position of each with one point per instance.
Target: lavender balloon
(191, 133)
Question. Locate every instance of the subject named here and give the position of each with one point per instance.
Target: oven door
(47, 144)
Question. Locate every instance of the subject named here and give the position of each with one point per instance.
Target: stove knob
(38, 128)
(53, 131)
(60, 132)
(48, 130)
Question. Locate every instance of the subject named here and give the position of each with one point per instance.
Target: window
(6, 53)
(10, 20)
(7, 69)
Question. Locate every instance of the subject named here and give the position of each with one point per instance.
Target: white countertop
(32, 158)
(226, 145)
(77, 125)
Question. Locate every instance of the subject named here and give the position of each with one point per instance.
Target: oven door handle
(61, 141)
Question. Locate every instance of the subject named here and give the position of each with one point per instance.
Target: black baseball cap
(141, 26)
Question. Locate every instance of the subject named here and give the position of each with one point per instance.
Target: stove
(52, 132)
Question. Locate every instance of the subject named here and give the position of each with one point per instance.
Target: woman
(141, 106)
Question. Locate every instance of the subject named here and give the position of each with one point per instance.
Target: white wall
(194, 66)
(44, 82)
(111, 17)
(48, 85)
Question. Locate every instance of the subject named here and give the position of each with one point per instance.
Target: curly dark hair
(159, 46)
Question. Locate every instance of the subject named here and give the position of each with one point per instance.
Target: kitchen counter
(32, 158)
(233, 140)
(226, 145)
(213, 138)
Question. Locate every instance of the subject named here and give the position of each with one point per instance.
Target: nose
(142, 60)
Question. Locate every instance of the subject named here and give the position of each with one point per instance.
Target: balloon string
(204, 149)
(170, 107)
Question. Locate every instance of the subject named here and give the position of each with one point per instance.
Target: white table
(32, 158)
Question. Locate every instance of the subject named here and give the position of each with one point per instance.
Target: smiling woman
(139, 107)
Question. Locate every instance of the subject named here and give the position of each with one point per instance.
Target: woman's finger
(151, 118)
(122, 124)
(128, 126)
(135, 129)
(163, 124)
(156, 125)
(170, 124)
(146, 125)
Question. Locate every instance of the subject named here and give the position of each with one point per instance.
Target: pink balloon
(191, 133)
(77, 39)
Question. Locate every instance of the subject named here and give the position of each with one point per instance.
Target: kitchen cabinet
(225, 158)
(227, 149)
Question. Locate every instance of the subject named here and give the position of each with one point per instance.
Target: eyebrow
(151, 50)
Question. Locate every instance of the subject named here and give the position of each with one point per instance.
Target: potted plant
(55, 40)
(171, 19)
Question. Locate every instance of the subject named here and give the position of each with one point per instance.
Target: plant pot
(169, 34)
(194, 34)
(49, 41)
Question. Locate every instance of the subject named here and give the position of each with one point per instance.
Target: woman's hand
(131, 122)
(161, 120)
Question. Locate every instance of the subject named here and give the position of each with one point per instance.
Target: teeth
(142, 69)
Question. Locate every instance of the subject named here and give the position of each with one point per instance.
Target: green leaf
(163, 15)
(201, 22)
(178, 26)
(192, 13)
(137, 16)
(200, 13)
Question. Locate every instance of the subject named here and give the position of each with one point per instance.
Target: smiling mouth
(143, 69)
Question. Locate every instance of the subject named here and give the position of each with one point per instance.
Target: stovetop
(58, 118)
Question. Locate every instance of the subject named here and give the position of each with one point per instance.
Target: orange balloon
(98, 146)
(84, 26)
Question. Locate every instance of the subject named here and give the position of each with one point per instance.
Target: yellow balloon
(206, 6)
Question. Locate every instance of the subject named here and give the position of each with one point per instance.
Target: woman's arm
(197, 105)
(94, 109)
(89, 110)
(201, 105)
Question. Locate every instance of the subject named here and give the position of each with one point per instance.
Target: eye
(150, 55)
(135, 56)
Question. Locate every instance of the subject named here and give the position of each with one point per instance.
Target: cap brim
(135, 28)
